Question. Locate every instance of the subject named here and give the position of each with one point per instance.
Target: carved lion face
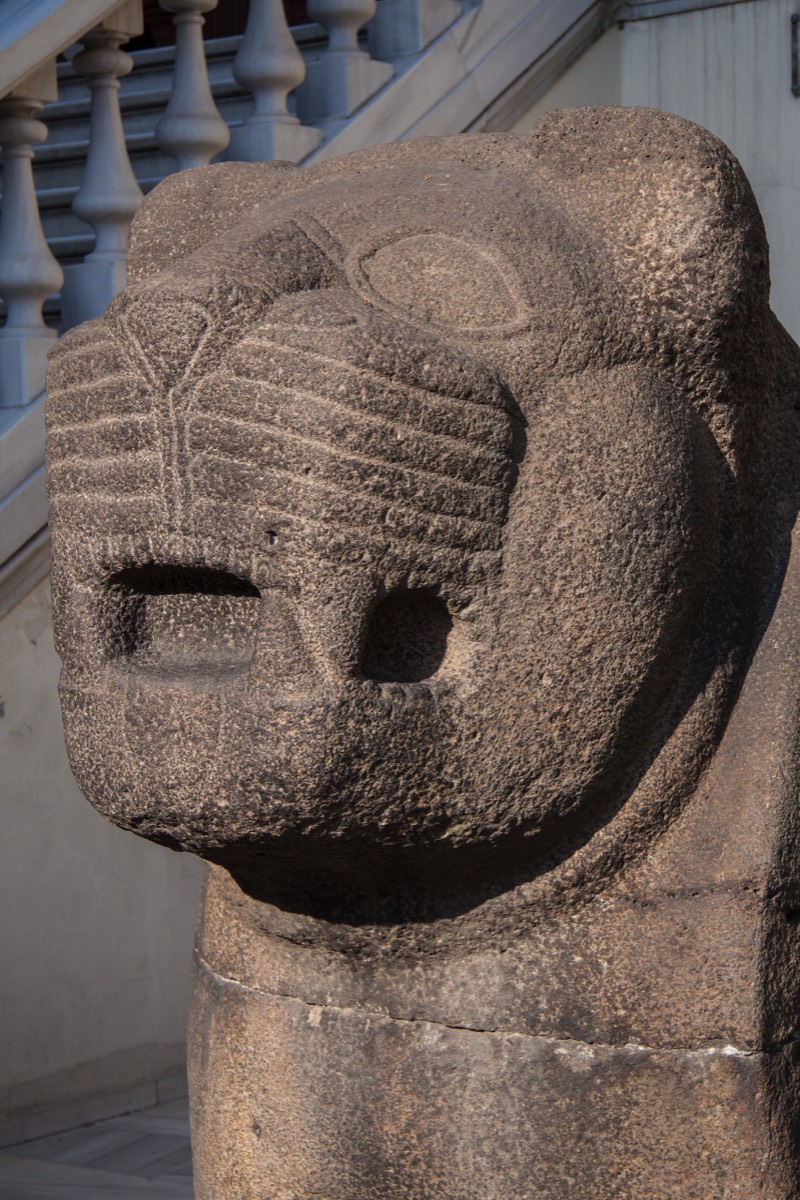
(373, 539)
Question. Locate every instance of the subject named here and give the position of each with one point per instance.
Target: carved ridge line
(479, 541)
(308, 440)
(61, 461)
(108, 421)
(469, 440)
(124, 498)
(152, 367)
(176, 487)
(458, 523)
(469, 445)
(318, 524)
(416, 476)
(79, 387)
(354, 455)
(261, 339)
(144, 457)
(702, 1051)
(347, 491)
(89, 424)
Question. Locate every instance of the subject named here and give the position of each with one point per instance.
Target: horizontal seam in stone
(726, 1051)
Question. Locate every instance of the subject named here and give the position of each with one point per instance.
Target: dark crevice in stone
(179, 620)
(406, 639)
(714, 1045)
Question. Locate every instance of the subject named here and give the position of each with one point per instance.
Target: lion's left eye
(439, 279)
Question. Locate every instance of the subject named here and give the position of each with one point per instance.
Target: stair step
(133, 101)
(74, 246)
(67, 151)
(157, 64)
(136, 90)
(61, 197)
(144, 94)
(231, 101)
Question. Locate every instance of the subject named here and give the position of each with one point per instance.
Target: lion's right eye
(178, 619)
(407, 638)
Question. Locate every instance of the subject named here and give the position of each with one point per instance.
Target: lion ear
(190, 208)
(667, 207)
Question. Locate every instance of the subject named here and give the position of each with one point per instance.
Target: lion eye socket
(443, 280)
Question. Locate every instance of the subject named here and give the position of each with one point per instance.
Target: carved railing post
(191, 129)
(342, 77)
(269, 65)
(402, 27)
(28, 271)
(109, 195)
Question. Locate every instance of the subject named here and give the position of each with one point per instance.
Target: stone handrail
(34, 32)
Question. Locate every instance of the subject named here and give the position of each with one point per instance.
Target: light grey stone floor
(141, 1156)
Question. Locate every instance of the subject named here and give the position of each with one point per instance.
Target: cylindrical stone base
(297, 1100)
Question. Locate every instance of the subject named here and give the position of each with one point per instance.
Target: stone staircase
(60, 161)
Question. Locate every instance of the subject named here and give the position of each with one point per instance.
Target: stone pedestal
(23, 361)
(271, 140)
(89, 287)
(400, 28)
(337, 83)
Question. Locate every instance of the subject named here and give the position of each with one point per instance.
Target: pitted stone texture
(461, 1114)
(417, 517)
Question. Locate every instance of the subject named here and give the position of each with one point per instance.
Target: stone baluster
(268, 65)
(191, 129)
(28, 271)
(109, 195)
(402, 27)
(342, 77)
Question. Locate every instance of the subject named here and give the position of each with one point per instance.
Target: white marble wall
(729, 69)
(96, 929)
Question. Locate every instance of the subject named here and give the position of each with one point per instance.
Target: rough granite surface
(422, 528)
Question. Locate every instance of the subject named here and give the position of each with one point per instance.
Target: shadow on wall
(97, 937)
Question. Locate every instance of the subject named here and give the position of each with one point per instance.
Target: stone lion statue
(421, 523)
